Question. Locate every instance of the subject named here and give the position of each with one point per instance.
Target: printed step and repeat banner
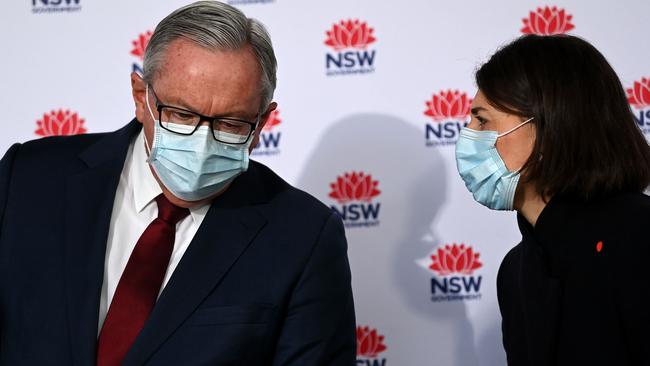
(372, 95)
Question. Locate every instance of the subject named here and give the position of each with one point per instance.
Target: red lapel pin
(599, 246)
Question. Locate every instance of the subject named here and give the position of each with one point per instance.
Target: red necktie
(139, 285)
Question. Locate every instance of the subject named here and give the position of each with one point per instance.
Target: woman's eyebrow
(475, 110)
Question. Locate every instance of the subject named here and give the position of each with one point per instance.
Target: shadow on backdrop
(386, 277)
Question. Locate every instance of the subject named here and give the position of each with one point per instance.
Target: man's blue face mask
(483, 170)
(194, 167)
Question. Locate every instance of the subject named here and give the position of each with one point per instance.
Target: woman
(553, 137)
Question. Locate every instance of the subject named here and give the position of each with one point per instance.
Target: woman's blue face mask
(483, 170)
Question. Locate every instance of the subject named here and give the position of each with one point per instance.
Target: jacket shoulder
(624, 218)
(291, 200)
(631, 206)
(49, 149)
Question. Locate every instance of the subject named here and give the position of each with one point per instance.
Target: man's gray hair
(215, 26)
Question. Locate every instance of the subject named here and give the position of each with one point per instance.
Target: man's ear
(138, 90)
(263, 119)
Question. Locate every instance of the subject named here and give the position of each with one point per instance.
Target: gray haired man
(167, 245)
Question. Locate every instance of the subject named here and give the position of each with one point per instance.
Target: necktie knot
(169, 212)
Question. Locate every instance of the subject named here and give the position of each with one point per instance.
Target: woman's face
(515, 147)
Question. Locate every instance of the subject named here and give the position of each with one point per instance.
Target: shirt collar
(146, 187)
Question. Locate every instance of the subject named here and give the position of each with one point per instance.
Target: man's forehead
(187, 59)
(194, 77)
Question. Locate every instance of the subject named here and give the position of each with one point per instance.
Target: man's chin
(181, 202)
(190, 204)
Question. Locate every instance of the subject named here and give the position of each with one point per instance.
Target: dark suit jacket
(564, 301)
(265, 281)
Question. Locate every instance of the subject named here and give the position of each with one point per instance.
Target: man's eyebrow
(180, 103)
(477, 109)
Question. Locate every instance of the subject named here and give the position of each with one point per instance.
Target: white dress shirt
(133, 210)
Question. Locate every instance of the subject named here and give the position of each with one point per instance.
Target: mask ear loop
(516, 127)
(146, 95)
(146, 144)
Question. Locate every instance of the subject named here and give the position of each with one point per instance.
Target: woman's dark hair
(587, 141)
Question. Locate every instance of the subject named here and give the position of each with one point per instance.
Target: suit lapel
(89, 196)
(223, 236)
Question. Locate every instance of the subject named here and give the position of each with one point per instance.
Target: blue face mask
(194, 167)
(484, 172)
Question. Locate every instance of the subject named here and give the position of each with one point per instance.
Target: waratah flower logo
(140, 44)
(60, 123)
(354, 186)
(369, 342)
(455, 259)
(350, 34)
(639, 94)
(450, 104)
(547, 21)
(273, 121)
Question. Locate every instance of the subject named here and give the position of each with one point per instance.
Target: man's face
(212, 83)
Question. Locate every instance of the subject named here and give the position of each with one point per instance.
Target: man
(160, 243)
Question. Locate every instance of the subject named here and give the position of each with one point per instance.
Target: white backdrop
(358, 127)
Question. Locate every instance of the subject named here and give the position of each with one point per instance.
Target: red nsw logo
(448, 105)
(354, 186)
(140, 44)
(369, 342)
(547, 21)
(350, 34)
(455, 259)
(273, 121)
(60, 123)
(639, 94)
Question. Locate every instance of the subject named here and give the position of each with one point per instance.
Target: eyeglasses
(183, 122)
